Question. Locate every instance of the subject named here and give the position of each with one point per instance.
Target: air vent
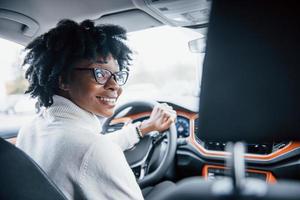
(260, 149)
(279, 145)
(215, 146)
(196, 129)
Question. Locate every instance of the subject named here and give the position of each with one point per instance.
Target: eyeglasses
(103, 75)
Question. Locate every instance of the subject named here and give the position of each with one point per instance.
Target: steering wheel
(141, 156)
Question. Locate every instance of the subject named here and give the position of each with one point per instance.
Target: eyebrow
(101, 67)
(101, 62)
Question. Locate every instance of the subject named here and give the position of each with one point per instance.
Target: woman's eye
(100, 75)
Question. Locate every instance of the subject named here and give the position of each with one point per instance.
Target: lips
(107, 100)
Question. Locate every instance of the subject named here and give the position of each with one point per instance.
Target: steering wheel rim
(167, 159)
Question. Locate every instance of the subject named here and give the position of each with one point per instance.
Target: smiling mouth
(107, 100)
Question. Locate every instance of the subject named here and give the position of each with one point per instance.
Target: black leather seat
(21, 178)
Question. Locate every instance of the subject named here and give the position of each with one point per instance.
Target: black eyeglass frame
(111, 74)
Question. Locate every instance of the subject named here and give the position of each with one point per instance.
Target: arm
(161, 118)
(125, 138)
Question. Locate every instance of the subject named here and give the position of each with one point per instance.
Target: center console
(212, 172)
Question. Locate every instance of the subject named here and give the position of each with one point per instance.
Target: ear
(63, 86)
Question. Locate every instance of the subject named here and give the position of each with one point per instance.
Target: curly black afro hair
(54, 53)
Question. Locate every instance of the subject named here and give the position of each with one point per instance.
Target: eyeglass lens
(103, 76)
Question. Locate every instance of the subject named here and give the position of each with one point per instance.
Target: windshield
(162, 66)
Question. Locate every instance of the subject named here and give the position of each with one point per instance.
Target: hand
(161, 118)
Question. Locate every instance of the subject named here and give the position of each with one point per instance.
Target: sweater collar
(63, 109)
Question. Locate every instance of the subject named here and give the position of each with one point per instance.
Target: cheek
(83, 89)
(120, 91)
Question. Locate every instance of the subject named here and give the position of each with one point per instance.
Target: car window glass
(163, 64)
(16, 108)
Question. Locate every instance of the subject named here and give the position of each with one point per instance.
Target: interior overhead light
(181, 12)
(181, 19)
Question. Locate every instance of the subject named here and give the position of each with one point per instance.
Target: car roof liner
(250, 89)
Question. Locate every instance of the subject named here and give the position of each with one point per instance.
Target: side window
(16, 108)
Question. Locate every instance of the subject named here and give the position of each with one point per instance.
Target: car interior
(237, 137)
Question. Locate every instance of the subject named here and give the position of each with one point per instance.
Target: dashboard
(267, 161)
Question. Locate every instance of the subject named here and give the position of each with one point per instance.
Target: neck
(64, 94)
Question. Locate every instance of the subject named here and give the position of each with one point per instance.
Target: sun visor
(250, 89)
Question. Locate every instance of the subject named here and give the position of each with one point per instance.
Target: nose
(111, 83)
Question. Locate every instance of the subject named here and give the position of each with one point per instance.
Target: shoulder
(26, 131)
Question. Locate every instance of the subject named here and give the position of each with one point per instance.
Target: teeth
(111, 100)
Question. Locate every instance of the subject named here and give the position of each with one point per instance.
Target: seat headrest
(250, 89)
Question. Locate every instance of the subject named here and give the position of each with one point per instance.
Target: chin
(106, 114)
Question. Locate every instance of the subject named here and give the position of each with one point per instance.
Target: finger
(155, 108)
(167, 123)
(173, 117)
(170, 107)
(170, 110)
(167, 108)
(167, 116)
(172, 114)
(161, 108)
(166, 105)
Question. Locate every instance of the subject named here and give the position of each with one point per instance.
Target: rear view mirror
(197, 45)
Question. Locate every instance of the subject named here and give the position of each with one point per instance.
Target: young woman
(77, 71)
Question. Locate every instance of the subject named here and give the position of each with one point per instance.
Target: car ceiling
(48, 13)
(21, 21)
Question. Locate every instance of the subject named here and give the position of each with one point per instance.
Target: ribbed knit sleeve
(125, 138)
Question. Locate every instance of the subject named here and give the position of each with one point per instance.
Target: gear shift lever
(236, 165)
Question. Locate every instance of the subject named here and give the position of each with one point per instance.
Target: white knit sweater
(65, 141)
